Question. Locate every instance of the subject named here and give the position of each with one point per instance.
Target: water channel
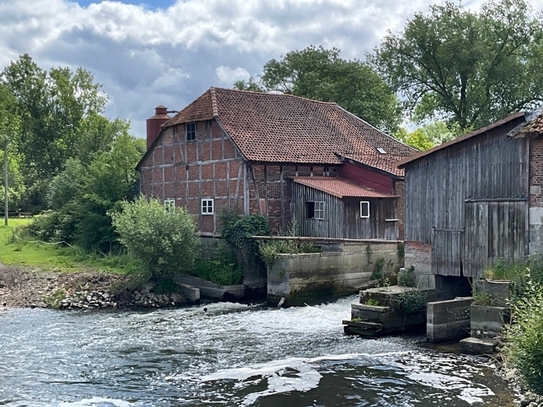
(229, 355)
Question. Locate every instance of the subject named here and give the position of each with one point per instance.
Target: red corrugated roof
(284, 128)
(340, 187)
(460, 139)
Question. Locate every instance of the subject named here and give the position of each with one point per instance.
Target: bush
(409, 301)
(218, 272)
(524, 349)
(407, 278)
(164, 241)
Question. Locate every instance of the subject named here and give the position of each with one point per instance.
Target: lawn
(50, 256)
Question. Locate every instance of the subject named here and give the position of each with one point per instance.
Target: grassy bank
(53, 257)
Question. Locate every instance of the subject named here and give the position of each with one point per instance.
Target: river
(230, 355)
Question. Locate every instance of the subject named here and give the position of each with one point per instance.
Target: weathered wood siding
(342, 216)
(494, 229)
(488, 167)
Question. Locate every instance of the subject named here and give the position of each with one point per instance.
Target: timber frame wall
(211, 167)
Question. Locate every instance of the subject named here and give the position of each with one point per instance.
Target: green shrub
(503, 270)
(377, 273)
(217, 271)
(165, 242)
(409, 301)
(407, 278)
(373, 302)
(482, 298)
(524, 345)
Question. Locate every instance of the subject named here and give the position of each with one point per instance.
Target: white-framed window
(207, 206)
(169, 205)
(364, 209)
(314, 210)
(190, 131)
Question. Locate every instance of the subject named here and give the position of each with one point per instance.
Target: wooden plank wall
(342, 216)
(486, 167)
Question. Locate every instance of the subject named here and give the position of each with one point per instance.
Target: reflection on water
(231, 355)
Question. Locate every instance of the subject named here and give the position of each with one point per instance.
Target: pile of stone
(99, 299)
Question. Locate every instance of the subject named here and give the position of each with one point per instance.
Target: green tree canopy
(466, 67)
(321, 74)
(429, 135)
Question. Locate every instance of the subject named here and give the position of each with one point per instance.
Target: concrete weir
(447, 320)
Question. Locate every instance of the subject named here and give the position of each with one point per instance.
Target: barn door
(494, 229)
(447, 251)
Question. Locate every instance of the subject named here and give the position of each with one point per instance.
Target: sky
(169, 52)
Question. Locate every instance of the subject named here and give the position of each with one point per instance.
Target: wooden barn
(280, 156)
(474, 200)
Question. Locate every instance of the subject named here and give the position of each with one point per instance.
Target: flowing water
(231, 355)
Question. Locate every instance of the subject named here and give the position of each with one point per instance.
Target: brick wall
(536, 196)
(189, 171)
(399, 189)
(419, 255)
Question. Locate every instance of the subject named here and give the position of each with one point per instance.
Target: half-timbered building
(280, 156)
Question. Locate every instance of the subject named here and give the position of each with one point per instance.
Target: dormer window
(190, 131)
(381, 150)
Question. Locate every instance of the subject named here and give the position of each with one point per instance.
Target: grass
(52, 257)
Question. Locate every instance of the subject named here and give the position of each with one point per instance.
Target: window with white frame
(207, 207)
(169, 205)
(190, 131)
(364, 209)
(314, 210)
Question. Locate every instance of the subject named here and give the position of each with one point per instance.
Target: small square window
(381, 150)
(190, 131)
(169, 205)
(364, 209)
(314, 210)
(207, 207)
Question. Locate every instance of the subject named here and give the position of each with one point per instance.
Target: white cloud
(145, 57)
(228, 75)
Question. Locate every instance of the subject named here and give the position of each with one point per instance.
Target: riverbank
(32, 288)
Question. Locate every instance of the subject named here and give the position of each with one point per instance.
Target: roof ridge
(274, 94)
(214, 107)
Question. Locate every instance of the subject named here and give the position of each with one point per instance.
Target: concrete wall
(315, 277)
(448, 320)
(419, 255)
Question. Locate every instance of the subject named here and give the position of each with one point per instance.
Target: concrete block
(476, 346)
(498, 291)
(486, 319)
(191, 294)
(448, 320)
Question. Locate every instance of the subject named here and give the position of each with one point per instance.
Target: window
(207, 206)
(314, 210)
(190, 131)
(381, 150)
(169, 205)
(364, 209)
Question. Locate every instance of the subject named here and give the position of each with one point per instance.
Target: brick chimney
(154, 123)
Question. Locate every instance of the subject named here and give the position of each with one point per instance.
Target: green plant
(54, 300)
(401, 251)
(482, 298)
(373, 302)
(164, 242)
(409, 301)
(407, 278)
(369, 252)
(503, 270)
(377, 273)
(524, 338)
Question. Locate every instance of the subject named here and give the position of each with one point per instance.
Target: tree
(466, 67)
(429, 135)
(164, 241)
(320, 74)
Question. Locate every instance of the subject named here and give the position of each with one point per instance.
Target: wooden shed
(341, 208)
(468, 202)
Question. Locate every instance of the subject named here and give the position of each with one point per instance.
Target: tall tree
(321, 74)
(466, 67)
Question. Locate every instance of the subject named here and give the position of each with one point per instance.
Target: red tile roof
(340, 187)
(401, 164)
(384, 162)
(532, 127)
(284, 128)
